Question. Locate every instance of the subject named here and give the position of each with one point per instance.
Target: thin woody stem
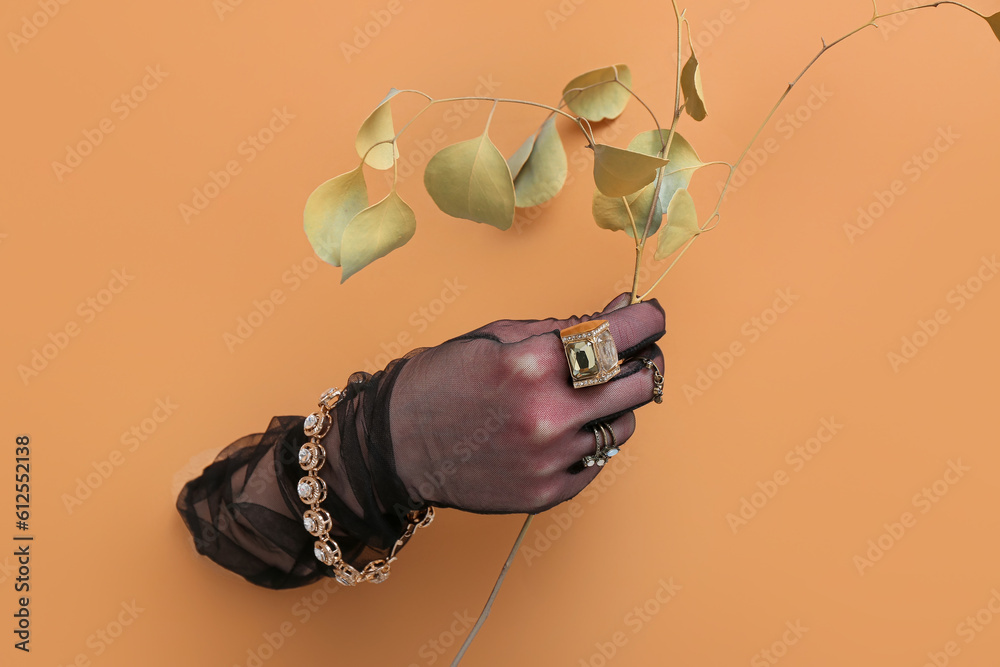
(643, 103)
(677, 86)
(631, 219)
(489, 118)
(581, 89)
(928, 6)
(493, 594)
(714, 217)
(826, 47)
(676, 259)
(665, 150)
(638, 250)
(586, 131)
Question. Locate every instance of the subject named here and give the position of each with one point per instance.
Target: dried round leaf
(328, 210)
(684, 162)
(694, 98)
(682, 225)
(610, 212)
(377, 128)
(375, 232)
(516, 161)
(471, 180)
(605, 100)
(619, 172)
(540, 171)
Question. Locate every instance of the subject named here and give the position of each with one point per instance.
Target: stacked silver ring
(607, 446)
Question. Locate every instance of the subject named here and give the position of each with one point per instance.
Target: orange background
(662, 517)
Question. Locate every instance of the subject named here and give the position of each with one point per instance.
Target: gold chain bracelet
(318, 522)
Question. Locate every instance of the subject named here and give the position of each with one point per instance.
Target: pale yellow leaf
(328, 210)
(540, 171)
(619, 172)
(471, 180)
(610, 212)
(605, 99)
(682, 225)
(684, 162)
(378, 128)
(516, 161)
(375, 232)
(694, 97)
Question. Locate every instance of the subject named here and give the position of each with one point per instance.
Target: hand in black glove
(487, 422)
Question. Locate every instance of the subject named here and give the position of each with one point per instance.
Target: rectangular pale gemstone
(582, 359)
(607, 356)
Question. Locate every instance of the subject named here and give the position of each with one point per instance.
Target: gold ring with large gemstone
(590, 352)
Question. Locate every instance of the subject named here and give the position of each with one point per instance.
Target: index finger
(636, 326)
(633, 328)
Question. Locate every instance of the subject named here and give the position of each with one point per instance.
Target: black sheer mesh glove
(487, 422)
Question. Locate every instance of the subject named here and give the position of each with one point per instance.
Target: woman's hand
(489, 421)
(486, 422)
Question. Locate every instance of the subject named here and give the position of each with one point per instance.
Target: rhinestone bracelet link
(318, 522)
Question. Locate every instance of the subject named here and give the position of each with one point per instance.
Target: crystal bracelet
(318, 522)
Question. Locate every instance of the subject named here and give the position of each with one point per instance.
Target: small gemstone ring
(607, 446)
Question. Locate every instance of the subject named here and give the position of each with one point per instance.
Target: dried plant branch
(496, 589)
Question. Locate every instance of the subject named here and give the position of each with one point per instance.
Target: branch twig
(496, 589)
(714, 217)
